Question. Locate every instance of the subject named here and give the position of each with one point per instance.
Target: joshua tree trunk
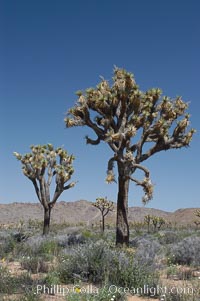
(122, 227)
(103, 222)
(47, 217)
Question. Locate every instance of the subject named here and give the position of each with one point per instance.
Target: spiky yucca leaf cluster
(148, 190)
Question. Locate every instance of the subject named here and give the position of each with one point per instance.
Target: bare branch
(37, 190)
(72, 184)
(91, 141)
(136, 181)
(142, 168)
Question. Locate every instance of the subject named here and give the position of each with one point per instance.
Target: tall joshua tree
(42, 165)
(105, 206)
(135, 125)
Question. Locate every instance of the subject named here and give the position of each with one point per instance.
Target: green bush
(52, 278)
(38, 246)
(7, 246)
(49, 247)
(186, 251)
(99, 263)
(29, 296)
(12, 284)
(34, 264)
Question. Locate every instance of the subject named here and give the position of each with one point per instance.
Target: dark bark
(122, 227)
(148, 227)
(47, 217)
(103, 223)
(155, 226)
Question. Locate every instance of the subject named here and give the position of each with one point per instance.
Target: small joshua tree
(197, 214)
(135, 125)
(105, 207)
(197, 223)
(41, 166)
(147, 221)
(157, 222)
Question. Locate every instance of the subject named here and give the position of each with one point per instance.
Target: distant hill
(83, 212)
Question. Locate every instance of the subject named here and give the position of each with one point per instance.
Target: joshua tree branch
(92, 125)
(111, 163)
(162, 145)
(136, 181)
(142, 168)
(55, 197)
(72, 184)
(93, 142)
(50, 176)
(42, 192)
(37, 189)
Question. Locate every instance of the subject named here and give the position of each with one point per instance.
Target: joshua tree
(137, 226)
(135, 125)
(41, 166)
(157, 221)
(147, 221)
(105, 207)
(197, 223)
(197, 213)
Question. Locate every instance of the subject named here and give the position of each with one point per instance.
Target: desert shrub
(6, 281)
(4, 234)
(168, 237)
(20, 236)
(7, 246)
(29, 296)
(142, 239)
(11, 284)
(146, 250)
(186, 251)
(173, 297)
(34, 224)
(45, 247)
(34, 264)
(99, 263)
(75, 239)
(52, 278)
(49, 247)
(185, 273)
(180, 297)
(87, 234)
(94, 235)
(135, 241)
(171, 270)
(86, 261)
(65, 240)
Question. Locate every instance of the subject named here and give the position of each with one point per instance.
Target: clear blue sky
(50, 49)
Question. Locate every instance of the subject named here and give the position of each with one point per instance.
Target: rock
(196, 273)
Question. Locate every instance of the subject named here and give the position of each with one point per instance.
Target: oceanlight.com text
(154, 291)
